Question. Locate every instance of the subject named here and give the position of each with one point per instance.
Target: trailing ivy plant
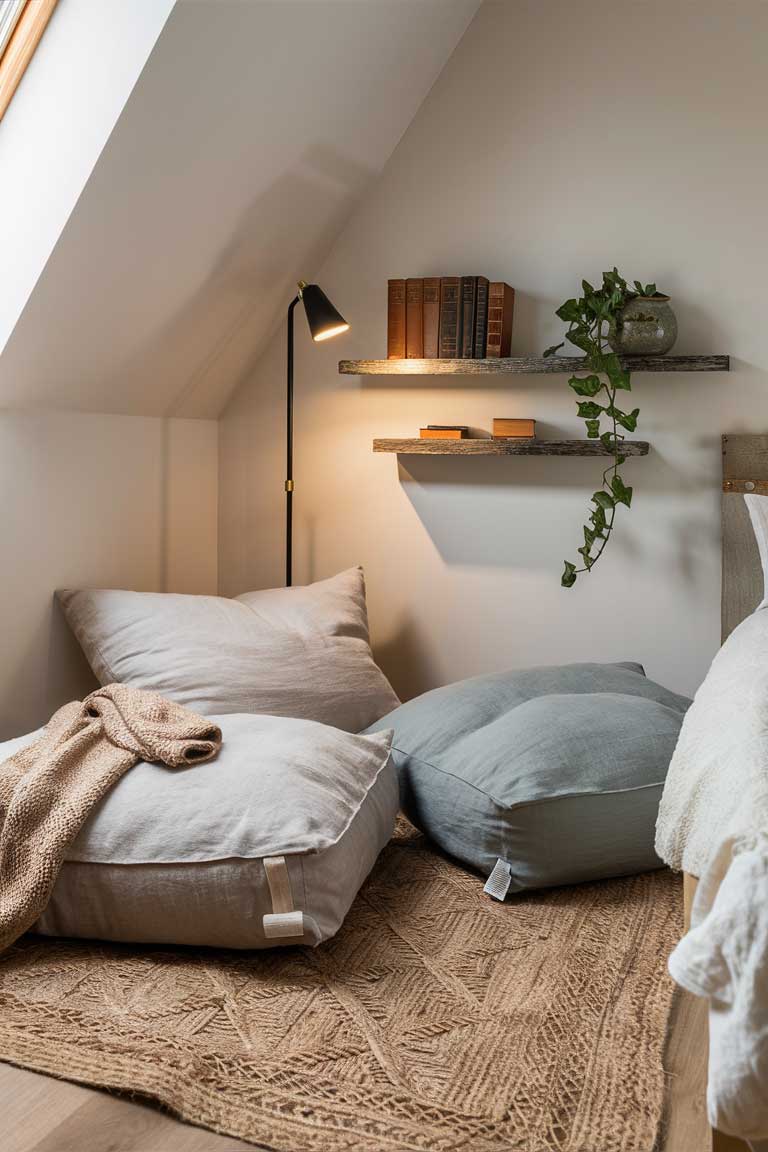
(591, 318)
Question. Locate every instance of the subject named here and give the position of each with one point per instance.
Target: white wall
(56, 125)
(92, 501)
(560, 139)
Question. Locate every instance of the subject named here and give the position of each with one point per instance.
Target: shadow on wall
(509, 524)
(69, 675)
(402, 659)
(213, 342)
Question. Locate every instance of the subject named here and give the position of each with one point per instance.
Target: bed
(745, 470)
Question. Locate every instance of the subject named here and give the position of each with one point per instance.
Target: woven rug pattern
(435, 1020)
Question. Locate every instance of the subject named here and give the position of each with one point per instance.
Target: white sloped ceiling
(251, 134)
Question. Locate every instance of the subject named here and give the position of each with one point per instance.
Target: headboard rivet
(749, 485)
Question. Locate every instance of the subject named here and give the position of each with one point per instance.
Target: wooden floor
(39, 1114)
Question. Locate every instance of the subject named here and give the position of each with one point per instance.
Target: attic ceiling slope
(57, 123)
(250, 137)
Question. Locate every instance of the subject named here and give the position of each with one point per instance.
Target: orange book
(442, 433)
(508, 429)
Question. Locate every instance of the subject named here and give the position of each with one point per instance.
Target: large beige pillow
(301, 652)
(266, 845)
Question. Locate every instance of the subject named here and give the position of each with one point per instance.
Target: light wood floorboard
(40, 1114)
(686, 1127)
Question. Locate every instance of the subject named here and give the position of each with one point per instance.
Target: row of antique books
(449, 317)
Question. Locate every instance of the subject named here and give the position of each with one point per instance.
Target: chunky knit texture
(48, 790)
(435, 1020)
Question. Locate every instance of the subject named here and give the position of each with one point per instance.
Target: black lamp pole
(324, 322)
(289, 452)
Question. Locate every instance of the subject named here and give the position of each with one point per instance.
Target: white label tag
(499, 880)
(280, 924)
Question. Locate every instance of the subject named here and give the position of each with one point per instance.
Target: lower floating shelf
(488, 447)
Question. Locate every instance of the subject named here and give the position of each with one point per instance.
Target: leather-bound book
(431, 323)
(414, 319)
(396, 320)
(501, 304)
(449, 316)
(481, 318)
(468, 313)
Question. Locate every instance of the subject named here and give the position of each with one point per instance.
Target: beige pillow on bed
(301, 652)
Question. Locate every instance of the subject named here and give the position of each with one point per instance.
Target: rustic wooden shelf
(518, 447)
(526, 365)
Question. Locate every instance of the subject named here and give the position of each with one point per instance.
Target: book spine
(481, 318)
(501, 300)
(414, 319)
(468, 313)
(431, 323)
(449, 316)
(396, 319)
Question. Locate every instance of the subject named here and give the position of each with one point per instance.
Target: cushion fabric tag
(283, 920)
(499, 880)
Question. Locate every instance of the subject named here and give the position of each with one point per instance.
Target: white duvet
(713, 823)
(717, 784)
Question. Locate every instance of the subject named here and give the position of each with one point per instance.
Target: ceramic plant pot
(647, 326)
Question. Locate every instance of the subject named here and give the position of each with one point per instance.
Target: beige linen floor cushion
(301, 652)
(266, 845)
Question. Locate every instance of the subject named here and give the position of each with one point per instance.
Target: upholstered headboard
(745, 469)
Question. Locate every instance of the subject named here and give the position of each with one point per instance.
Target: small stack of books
(449, 318)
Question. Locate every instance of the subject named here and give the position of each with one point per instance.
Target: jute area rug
(436, 1019)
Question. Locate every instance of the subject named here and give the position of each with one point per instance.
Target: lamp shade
(323, 319)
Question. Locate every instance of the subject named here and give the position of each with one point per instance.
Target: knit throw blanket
(48, 790)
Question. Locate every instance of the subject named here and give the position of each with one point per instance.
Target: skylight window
(22, 23)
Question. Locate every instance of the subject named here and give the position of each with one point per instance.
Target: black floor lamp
(324, 322)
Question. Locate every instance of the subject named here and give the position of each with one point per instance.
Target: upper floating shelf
(526, 364)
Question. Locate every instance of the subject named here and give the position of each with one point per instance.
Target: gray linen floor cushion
(539, 777)
(301, 651)
(267, 845)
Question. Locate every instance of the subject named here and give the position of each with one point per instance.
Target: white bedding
(717, 784)
(713, 823)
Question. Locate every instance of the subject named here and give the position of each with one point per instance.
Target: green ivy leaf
(587, 288)
(628, 420)
(621, 493)
(589, 536)
(555, 348)
(593, 429)
(598, 517)
(588, 410)
(650, 290)
(584, 551)
(617, 375)
(570, 311)
(568, 578)
(581, 339)
(607, 440)
(603, 499)
(585, 385)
